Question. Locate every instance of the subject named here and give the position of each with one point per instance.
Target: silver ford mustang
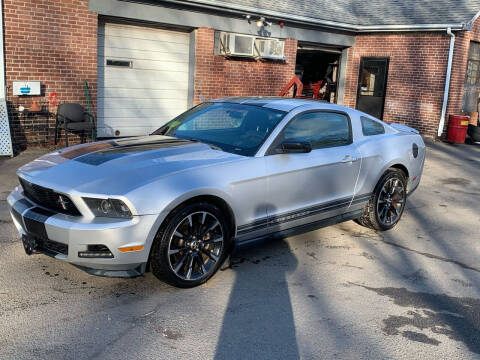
(223, 173)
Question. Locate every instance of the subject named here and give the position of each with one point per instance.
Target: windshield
(235, 128)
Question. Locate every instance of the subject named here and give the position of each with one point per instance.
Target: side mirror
(294, 147)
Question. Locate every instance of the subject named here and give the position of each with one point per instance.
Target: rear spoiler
(403, 128)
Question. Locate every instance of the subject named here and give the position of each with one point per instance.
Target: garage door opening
(143, 78)
(316, 64)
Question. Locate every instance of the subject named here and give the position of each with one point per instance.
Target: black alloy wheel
(391, 201)
(195, 246)
(387, 203)
(192, 245)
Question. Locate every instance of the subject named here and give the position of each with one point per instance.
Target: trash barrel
(457, 128)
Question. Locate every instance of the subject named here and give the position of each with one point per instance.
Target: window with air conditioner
(235, 44)
(270, 48)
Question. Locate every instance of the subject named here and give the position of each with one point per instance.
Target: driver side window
(321, 129)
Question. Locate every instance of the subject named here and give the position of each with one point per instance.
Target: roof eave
(469, 25)
(413, 27)
(244, 10)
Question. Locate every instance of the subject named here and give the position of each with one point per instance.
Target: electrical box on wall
(26, 88)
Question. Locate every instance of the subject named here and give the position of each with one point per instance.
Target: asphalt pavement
(341, 292)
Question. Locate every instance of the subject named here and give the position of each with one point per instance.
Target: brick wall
(54, 42)
(416, 76)
(216, 76)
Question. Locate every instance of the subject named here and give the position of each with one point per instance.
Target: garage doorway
(143, 78)
(314, 64)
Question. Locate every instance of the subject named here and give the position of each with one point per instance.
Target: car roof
(277, 102)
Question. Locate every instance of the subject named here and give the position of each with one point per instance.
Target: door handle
(348, 159)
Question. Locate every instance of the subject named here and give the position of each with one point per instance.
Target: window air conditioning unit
(270, 48)
(236, 44)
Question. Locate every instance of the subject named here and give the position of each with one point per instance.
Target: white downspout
(447, 82)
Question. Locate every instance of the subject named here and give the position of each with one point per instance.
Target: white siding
(138, 100)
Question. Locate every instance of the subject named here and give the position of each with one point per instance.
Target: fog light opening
(96, 251)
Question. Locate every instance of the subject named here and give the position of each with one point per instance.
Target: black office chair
(73, 118)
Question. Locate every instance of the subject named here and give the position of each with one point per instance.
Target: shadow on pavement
(258, 322)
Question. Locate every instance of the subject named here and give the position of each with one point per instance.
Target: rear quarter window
(371, 127)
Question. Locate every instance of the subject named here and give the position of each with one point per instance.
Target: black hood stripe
(116, 152)
(101, 152)
(154, 145)
(76, 152)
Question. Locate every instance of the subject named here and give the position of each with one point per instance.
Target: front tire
(385, 208)
(191, 245)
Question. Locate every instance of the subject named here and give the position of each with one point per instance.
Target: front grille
(52, 246)
(48, 198)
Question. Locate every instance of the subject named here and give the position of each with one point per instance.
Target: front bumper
(64, 236)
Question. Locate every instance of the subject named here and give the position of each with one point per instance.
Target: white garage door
(142, 78)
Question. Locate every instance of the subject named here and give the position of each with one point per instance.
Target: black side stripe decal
(302, 213)
(253, 226)
(313, 210)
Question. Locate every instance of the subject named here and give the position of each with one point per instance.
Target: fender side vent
(415, 150)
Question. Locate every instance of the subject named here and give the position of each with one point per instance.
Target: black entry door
(372, 85)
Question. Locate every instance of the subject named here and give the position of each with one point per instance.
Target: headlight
(113, 208)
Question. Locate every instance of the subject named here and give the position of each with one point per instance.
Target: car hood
(115, 167)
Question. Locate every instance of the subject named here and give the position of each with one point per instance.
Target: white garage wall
(138, 100)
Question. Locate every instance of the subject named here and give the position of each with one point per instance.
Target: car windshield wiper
(214, 147)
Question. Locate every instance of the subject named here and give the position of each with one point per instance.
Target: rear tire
(387, 203)
(191, 245)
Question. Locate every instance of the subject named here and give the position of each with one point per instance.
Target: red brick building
(146, 61)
